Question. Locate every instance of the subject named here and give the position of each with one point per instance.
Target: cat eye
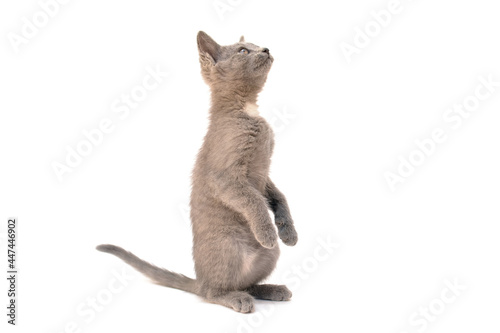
(243, 51)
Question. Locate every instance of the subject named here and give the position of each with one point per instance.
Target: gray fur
(235, 243)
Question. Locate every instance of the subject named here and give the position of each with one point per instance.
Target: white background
(346, 125)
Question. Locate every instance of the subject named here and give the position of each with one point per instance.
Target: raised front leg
(282, 216)
(248, 201)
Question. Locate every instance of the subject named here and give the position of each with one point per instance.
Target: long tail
(160, 276)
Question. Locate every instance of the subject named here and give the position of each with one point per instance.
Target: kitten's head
(243, 66)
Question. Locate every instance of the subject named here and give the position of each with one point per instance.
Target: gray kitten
(235, 244)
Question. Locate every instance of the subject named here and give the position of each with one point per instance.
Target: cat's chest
(260, 153)
(237, 142)
(261, 137)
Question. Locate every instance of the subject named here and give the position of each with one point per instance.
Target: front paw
(266, 236)
(288, 234)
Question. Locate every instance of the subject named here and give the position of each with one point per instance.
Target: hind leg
(270, 292)
(239, 301)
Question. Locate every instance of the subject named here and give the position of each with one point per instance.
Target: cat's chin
(265, 64)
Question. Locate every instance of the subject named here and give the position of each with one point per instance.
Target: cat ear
(208, 48)
(242, 39)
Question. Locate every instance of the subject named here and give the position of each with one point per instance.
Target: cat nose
(265, 50)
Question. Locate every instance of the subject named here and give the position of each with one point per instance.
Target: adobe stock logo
(223, 6)
(279, 118)
(122, 106)
(39, 20)
(424, 316)
(92, 307)
(453, 117)
(380, 20)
